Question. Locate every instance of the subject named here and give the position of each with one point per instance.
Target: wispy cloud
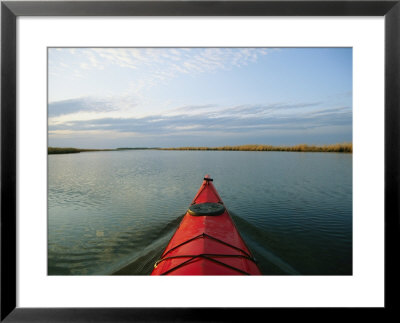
(241, 119)
(66, 107)
(198, 92)
(159, 63)
(244, 111)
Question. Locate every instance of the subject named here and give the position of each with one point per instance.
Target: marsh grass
(338, 148)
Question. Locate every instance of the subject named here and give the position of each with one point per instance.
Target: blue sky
(172, 97)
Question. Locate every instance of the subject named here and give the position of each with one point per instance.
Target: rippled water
(114, 212)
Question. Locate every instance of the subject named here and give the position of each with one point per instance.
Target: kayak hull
(206, 241)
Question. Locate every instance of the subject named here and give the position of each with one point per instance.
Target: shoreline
(337, 148)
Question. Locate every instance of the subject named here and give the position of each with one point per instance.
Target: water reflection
(114, 212)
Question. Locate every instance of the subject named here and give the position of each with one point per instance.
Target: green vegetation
(338, 148)
(54, 150)
(57, 150)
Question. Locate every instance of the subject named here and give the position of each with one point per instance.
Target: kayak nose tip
(208, 178)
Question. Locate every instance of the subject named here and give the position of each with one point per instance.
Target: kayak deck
(206, 241)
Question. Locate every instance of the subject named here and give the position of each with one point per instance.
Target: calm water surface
(114, 212)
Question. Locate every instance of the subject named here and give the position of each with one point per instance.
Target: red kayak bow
(206, 241)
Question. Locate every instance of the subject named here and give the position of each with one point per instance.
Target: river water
(113, 212)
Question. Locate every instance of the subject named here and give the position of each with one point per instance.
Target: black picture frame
(10, 10)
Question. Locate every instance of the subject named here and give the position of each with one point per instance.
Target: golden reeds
(338, 148)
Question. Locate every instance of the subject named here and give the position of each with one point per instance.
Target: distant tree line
(58, 150)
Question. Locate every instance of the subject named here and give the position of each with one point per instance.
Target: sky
(175, 97)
